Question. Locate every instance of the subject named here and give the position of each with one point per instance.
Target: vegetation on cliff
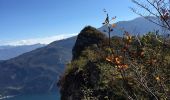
(131, 68)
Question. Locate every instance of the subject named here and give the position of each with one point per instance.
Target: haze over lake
(50, 96)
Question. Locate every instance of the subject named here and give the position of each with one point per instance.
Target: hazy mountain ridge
(7, 52)
(136, 26)
(35, 71)
(41, 40)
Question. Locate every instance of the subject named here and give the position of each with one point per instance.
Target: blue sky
(26, 19)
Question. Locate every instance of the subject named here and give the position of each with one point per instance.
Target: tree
(107, 23)
(129, 67)
(157, 8)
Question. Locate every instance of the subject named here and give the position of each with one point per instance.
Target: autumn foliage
(131, 67)
(118, 68)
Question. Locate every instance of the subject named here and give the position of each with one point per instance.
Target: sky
(32, 19)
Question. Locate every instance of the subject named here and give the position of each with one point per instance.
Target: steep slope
(82, 74)
(8, 52)
(36, 71)
(112, 73)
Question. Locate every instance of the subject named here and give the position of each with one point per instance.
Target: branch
(148, 18)
(157, 9)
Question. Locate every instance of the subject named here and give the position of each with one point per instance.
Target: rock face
(88, 36)
(82, 75)
(36, 71)
(76, 80)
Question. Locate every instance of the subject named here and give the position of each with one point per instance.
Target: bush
(130, 69)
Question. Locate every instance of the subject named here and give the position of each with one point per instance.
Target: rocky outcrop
(83, 77)
(87, 37)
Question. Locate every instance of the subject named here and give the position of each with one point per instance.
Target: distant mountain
(41, 40)
(8, 52)
(36, 71)
(136, 26)
(139, 26)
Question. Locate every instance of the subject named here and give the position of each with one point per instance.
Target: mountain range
(38, 70)
(8, 52)
(137, 26)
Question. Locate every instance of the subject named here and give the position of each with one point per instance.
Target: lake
(50, 96)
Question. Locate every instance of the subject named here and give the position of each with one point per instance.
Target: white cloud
(44, 40)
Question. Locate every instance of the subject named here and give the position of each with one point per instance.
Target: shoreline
(6, 97)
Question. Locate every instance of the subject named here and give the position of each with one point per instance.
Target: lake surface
(50, 96)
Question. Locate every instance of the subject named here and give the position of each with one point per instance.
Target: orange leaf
(113, 25)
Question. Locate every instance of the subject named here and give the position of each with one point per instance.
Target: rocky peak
(87, 37)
